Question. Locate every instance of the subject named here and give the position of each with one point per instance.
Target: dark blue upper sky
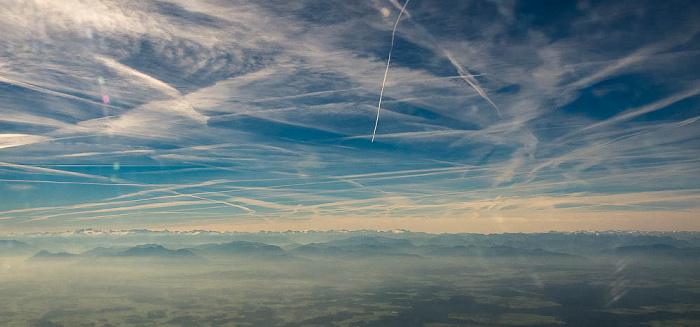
(496, 115)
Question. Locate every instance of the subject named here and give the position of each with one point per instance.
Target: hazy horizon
(391, 231)
(352, 279)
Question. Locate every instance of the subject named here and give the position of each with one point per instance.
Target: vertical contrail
(386, 72)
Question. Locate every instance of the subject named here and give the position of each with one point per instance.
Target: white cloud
(13, 140)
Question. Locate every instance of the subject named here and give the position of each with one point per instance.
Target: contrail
(51, 92)
(386, 72)
(52, 171)
(463, 73)
(126, 70)
(469, 78)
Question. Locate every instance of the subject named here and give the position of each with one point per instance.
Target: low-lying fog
(352, 280)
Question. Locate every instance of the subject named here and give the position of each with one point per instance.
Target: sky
(496, 116)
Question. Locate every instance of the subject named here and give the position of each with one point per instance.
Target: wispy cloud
(632, 113)
(253, 112)
(12, 140)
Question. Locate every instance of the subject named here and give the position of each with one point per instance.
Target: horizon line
(392, 231)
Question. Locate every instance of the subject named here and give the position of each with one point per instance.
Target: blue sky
(497, 116)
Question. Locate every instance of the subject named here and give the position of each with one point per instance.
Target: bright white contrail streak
(386, 72)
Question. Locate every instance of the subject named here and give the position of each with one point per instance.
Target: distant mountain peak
(43, 254)
(154, 250)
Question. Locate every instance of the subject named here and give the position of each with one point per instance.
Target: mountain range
(350, 244)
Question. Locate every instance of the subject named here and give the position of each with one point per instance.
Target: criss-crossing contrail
(469, 78)
(386, 71)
